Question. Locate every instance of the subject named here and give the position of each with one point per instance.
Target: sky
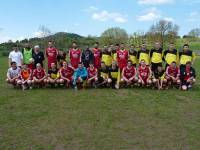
(21, 19)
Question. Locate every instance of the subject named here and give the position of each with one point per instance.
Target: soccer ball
(31, 60)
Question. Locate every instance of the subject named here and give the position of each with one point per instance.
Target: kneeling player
(80, 75)
(144, 74)
(188, 76)
(39, 76)
(92, 75)
(159, 78)
(53, 77)
(129, 74)
(103, 76)
(173, 75)
(26, 75)
(13, 74)
(114, 75)
(66, 74)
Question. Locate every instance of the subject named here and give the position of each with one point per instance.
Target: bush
(5, 53)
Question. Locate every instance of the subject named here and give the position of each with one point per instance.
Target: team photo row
(113, 66)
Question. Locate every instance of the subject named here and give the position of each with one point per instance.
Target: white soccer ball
(31, 60)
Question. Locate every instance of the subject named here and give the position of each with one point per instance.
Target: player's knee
(155, 80)
(19, 82)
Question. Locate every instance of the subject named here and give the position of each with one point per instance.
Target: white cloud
(105, 16)
(155, 2)
(151, 15)
(170, 19)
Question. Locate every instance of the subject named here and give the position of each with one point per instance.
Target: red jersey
(51, 53)
(188, 74)
(39, 74)
(97, 57)
(129, 72)
(91, 72)
(174, 72)
(67, 72)
(75, 57)
(144, 72)
(122, 58)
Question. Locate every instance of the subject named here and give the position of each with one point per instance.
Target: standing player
(156, 55)
(186, 55)
(143, 54)
(97, 55)
(25, 78)
(28, 56)
(92, 75)
(87, 57)
(122, 57)
(80, 75)
(188, 76)
(75, 55)
(13, 74)
(129, 74)
(61, 57)
(39, 76)
(133, 55)
(51, 54)
(107, 56)
(173, 75)
(114, 52)
(144, 74)
(171, 55)
(15, 56)
(53, 77)
(66, 74)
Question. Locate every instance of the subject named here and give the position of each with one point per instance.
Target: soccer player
(15, 56)
(103, 75)
(159, 78)
(107, 56)
(114, 75)
(97, 55)
(144, 74)
(61, 57)
(188, 76)
(171, 55)
(28, 56)
(92, 75)
(122, 57)
(75, 55)
(143, 54)
(25, 78)
(53, 76)
(51, 54)
(173, 75)
(129, 74)
(114, 52)
(133, 55)
(87, 57)
(38, 56)
(13, 74)
(39, 76)
(66, 74)
(186, 55)
(80, 75)
(156, 55)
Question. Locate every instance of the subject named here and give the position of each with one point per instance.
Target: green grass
(101, 119)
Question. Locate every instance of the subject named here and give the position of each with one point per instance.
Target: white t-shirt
(13, 72)
(16, 57)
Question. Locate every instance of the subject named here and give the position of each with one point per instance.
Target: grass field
(102, 119)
